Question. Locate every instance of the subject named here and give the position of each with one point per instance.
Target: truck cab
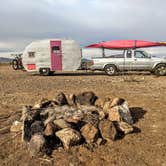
(137, 60)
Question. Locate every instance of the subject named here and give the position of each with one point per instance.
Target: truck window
(146, 54)
(129, 54)
(140, 54)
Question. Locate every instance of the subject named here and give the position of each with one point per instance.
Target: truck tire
(160, 70)
(110, 70)
(44, 71)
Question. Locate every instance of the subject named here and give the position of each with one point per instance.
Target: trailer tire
(160, 70)
(110, 70)
(45, 71)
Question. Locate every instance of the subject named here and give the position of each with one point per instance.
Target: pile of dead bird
(69, 120)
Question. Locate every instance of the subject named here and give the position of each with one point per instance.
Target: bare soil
(146, 95)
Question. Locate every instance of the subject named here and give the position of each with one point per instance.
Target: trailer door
(56, 55)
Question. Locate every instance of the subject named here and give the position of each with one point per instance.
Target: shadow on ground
(137, 113)
(90, 73)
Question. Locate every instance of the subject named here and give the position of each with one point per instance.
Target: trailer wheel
(44, 71)
(110, 70)
(160, 70)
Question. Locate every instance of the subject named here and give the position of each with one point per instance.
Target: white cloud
(6, 45)
(63, 2)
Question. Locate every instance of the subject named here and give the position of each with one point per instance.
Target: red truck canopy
(124, 44)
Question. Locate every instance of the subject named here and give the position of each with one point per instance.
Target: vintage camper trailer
(47, 56)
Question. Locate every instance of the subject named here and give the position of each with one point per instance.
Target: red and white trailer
(47, 56)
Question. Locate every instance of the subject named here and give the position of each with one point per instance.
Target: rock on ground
(90, 133)
(92, 118)
(36, 144)
(26, 133)
(125, 113)
(108, 130)
(99, 103)
(120, 113)
(71, 99)
(16, 126)
(117, 101)
(106, 105)
(125, 127)
(114, 114)
(68, 137)
(102, 115)
(86, 98)
(42, 103)
(61, 99)
(37, 127)
(50, 129)
(73, 119)
(26, 113)
(99, 141)
(61, 123)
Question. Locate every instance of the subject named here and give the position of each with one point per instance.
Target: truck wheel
(44, 71)
(160, 70)
(110, 70)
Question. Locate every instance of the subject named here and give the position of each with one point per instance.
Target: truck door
(128, 60)
(142, 61)
(56, 55)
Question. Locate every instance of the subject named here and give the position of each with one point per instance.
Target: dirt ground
(146, 95)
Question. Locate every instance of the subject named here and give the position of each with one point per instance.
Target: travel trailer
(48, 56)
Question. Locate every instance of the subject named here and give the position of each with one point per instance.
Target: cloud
(4, 45)
(62, 2)
(85, 21)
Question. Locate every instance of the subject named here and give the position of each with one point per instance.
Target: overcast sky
(86, 21)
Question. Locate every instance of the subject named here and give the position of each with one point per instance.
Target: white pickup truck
(130, 60)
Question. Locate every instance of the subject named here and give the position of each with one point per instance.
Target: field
(146, 95)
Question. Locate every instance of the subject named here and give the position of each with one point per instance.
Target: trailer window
(31, 54)
(55, 49)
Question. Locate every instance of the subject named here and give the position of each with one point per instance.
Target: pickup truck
(130, 60)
